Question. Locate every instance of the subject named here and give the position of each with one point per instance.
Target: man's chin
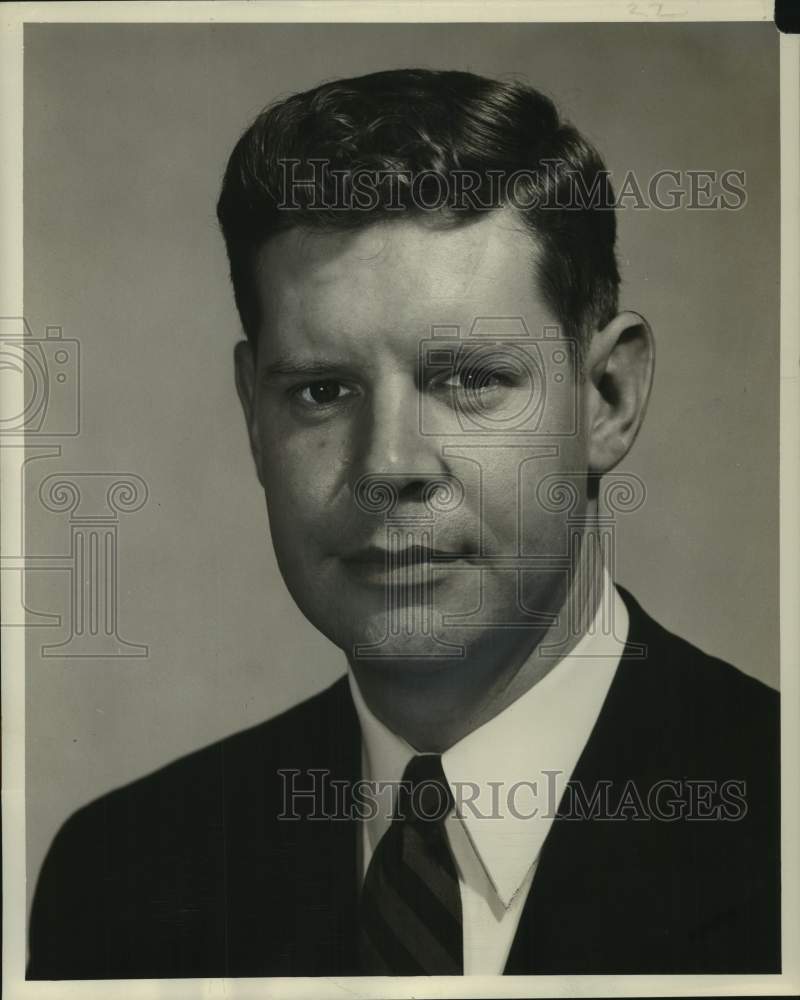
(425, 643)
(419, 645)
(452, 627)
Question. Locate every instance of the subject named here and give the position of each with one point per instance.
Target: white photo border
(13, 17)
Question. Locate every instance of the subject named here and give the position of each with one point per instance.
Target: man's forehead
(438, 260)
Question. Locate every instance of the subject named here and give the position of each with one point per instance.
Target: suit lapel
(327, 894)
(292, 882)
(584, 861)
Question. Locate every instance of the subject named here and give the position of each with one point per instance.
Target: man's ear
(620, 363)
(245, 370)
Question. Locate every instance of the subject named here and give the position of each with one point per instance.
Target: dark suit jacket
(188, 871)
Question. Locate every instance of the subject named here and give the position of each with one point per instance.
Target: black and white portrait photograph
(400, 473)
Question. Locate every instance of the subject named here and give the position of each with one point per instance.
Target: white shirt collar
(544, 730)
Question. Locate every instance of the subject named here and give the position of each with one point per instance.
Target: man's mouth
(378, 555)
(409, 565)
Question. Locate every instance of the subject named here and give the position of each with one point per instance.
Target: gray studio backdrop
(127, 130)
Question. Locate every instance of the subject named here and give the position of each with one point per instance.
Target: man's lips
(376, 556)
(376, 564)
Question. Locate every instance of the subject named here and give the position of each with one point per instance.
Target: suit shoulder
(667, 652)
(156, 847)
(694, 702)
(192, 781)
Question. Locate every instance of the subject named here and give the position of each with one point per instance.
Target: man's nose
(391, 442)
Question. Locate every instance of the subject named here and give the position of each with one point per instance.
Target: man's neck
(434, 709)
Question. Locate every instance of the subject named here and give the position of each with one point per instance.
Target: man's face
(349, 383)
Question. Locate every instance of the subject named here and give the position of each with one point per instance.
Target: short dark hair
(402, 125)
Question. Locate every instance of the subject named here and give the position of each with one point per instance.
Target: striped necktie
(411, 921)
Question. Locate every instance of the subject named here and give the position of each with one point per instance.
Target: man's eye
(323, 393)
(474, 380)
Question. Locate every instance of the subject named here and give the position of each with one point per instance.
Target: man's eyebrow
(288, 365)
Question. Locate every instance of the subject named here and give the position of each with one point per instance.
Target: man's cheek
(300, 498)
(513, 518)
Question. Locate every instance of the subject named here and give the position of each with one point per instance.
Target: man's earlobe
(245, 373)
(620, 365)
